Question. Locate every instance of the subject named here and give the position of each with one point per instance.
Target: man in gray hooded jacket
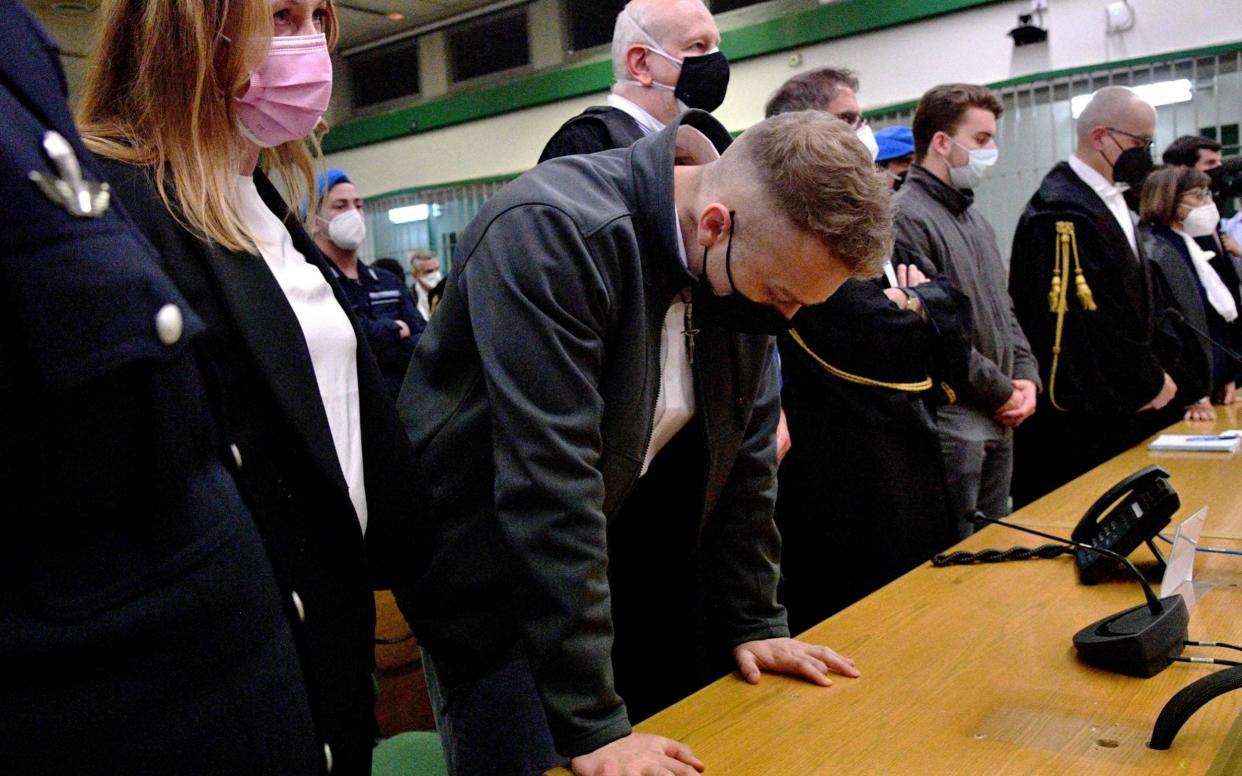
(608, 318)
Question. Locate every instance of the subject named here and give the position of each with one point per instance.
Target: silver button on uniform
(297, 604)
(168, 324)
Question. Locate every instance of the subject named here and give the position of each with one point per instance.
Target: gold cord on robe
(1058, 301)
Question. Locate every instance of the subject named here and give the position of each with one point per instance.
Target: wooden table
(1212, 479)
(970, 669)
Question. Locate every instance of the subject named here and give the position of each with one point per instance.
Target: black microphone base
(1136, 642)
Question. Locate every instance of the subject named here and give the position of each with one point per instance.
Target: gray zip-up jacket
(937, 221)
(530, 402)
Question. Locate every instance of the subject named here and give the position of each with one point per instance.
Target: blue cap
(894, 142)
(328, 179)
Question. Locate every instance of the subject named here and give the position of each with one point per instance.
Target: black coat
(261, 373)
(1108, 366)
(862, 491)
(595, 129)
(141, 627)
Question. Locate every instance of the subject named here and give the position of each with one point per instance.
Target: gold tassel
(1085, 297)
(1054, 293)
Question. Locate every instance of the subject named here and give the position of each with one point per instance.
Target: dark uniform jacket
(260, 370)
(141, 627)
(1108, 367)
(379, 299)
(862, 490)
(532, 394)
(595, 129)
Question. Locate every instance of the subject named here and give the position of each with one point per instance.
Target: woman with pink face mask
(192, 105)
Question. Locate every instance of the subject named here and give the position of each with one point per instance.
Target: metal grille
(1037, 128)
(449, 210)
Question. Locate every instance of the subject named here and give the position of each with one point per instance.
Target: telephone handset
(1145, 502)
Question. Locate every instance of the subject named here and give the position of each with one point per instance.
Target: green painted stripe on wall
(1209, 51)
(1070, 72)
(838, 20)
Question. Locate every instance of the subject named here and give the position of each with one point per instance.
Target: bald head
(1115, 121)
(681, 28)
(1117, 107)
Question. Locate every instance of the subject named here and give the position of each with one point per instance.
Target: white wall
(894, 65)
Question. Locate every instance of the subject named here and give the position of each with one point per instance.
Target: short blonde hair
(818, 174)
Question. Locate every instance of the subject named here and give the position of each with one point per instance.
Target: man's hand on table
(639, 754)
(790, 656)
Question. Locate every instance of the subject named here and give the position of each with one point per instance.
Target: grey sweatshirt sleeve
(539, 308)
(1025, 366)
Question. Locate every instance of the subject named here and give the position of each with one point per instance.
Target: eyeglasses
(854, 119)
(1145, 142)
(1199, 196)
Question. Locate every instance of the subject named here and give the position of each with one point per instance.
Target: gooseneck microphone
(1141, 641)
(1175, 315)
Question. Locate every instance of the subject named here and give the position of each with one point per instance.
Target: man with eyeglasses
(1081, 290)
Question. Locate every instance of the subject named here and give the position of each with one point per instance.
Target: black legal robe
(1108, 366)
(861, 493)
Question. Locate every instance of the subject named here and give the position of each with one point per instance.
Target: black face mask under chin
(734, 311)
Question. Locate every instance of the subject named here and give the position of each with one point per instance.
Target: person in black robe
(1082, 292)
(665, 59)
(862, 495)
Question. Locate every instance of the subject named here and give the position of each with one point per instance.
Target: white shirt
(327, 331)
(422, 301)
(1111, 194)
(675, 397)
(1214, 288)
(646, 122)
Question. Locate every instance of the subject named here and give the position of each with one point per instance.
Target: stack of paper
(1224, 442)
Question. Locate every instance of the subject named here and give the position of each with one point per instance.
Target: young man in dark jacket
(609, 318)
(934, 216)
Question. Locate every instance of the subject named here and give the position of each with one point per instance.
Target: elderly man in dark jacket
(609, 318)
(935, 217)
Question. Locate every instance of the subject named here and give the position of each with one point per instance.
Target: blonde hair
(158, 96)
(815, 172)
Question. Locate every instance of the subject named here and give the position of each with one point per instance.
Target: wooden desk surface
(971, 669)
(1214, 479)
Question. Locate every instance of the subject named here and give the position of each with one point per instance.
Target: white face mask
(347, 230)
(867, 137)
(1201, 221)
(430, 280)
(977, 166)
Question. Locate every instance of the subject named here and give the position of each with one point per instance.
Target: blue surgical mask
(977, 167)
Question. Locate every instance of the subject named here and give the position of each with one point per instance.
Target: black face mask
(734, 311)
(1225, 184)
(703, 81)
(1132, 167)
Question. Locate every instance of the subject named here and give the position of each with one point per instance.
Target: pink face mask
(289, 91)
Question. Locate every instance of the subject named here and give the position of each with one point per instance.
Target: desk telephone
(1145, 502)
